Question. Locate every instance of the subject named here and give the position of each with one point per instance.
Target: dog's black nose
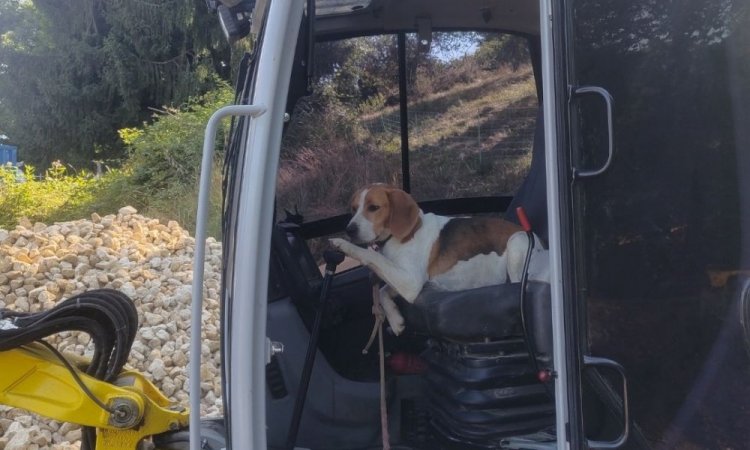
(352, 229)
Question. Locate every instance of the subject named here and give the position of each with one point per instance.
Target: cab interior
(466, 373)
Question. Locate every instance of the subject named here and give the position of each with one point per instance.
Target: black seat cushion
(477, 314)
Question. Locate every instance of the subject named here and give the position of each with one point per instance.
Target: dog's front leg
(390, 308)
(405, 283)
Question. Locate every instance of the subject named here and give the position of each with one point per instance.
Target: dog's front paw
(397, 327)
(338, 242)
(395, 322)
(345, 246)
(341, 244)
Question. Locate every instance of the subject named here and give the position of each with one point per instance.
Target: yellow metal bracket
(34, 379)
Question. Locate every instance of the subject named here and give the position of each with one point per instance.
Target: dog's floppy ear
(404, 214)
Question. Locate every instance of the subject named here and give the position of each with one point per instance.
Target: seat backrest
(532, 194)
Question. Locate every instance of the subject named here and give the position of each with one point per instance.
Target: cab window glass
(663, 233)
(471, 109)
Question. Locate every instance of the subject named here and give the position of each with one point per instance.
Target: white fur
(479, 271)
(366, 232)
(403, 265)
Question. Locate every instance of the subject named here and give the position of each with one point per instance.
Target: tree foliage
(72, 72)
(363, 70)
(499, 49)
(167, 151)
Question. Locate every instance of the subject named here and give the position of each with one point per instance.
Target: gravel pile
(149, 261)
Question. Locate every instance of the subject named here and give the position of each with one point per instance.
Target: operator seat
(484, 384)
(490, 312)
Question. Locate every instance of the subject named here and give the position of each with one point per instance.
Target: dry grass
(473, 139)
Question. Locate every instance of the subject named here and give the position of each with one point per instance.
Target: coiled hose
(109, 317)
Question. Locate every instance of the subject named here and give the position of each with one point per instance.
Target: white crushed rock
(149, 261)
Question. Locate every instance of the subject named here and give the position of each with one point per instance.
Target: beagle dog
(452, 253)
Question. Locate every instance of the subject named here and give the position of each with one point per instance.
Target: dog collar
(378, 245)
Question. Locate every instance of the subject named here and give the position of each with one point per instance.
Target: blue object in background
(8, 154)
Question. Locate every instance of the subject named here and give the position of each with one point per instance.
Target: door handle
(593, 361)
(596, 90)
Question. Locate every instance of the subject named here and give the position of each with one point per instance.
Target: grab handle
(593, 361)
(596, 90)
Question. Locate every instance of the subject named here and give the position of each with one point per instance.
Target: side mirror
(235, 17)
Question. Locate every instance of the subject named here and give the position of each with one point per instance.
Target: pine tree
(72, 72)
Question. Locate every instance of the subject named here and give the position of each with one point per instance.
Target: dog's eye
(373, 208)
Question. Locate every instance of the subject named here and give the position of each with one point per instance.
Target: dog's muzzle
(352, 230)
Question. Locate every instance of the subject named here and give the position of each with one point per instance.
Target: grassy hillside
(471, 139)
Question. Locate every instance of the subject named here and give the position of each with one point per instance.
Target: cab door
(653, 127)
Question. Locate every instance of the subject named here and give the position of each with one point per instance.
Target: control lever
(332, 259)
(543, 375)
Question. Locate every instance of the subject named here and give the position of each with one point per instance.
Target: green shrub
(58, 196)
(167, 152)
(159, 178)
(165, 158)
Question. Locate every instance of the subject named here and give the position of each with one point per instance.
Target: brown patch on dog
(377, 209)
(404, 215)
(463, 238)
(354, 202)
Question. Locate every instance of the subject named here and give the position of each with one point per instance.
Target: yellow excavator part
(33, 378)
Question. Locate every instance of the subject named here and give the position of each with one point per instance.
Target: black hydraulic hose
(332, 259)
(74, 373)
(109, 317)
(104, 319)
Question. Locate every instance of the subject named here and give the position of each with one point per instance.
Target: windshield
(472, 105)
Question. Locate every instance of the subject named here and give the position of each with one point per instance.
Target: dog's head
(379, 212)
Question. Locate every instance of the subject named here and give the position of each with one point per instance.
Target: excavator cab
(623, 126)
(618, 128)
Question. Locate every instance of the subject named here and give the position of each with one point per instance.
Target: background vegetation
(471, 113)
(128, 85)
(73, 72)
(159, 176)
